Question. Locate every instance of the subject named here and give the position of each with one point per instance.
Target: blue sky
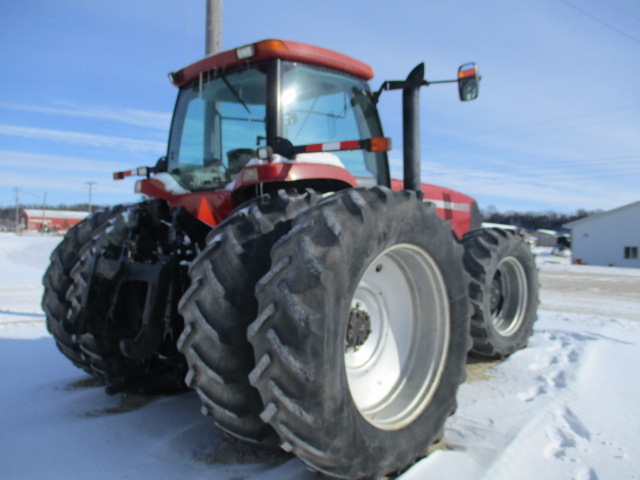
(556, 127)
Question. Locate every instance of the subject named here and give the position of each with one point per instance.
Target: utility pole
(44, 213)
(91, 184)
(213, 42)
(17, 210)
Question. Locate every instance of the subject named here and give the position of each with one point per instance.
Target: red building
(50, 220)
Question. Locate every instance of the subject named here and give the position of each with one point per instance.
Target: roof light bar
(245, 52)
(269, 49)
(266, 46)
(271, 46)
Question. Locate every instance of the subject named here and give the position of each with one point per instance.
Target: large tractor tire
(503, 291)
(363, 333)
(107, 312)
(57, 280)
(220, 304)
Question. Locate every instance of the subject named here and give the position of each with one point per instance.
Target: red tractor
(312, 302)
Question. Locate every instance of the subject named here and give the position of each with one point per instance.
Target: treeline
(8, 214)
(531, 221)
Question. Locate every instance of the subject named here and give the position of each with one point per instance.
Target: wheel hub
(508, 296)
(398, 328)
(495, 299)
(359, 327)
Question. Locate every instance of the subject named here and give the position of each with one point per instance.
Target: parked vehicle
(312, 302)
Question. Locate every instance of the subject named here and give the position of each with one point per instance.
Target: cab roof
(269, 49)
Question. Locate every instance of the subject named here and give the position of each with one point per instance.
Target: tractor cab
(273, 93)
(286, 115)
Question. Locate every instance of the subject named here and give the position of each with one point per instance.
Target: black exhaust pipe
(411, 127)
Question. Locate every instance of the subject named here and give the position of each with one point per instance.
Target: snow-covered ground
(564, 408)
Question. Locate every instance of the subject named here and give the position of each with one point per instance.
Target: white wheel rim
(507, 312)
(394, 374)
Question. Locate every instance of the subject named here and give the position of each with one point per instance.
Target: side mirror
(468, 82)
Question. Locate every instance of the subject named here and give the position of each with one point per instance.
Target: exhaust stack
(411, 127)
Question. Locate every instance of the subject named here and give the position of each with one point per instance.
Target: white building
(609, 238)
(545, 238)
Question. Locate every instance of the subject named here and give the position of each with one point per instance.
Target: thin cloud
(57, 184)
(129, 116)
(513, 191)
(87, 139)
(42, 161)
(63, 177)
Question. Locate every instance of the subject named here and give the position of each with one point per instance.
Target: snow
(170, 184)
(324, 158)
(563, 408)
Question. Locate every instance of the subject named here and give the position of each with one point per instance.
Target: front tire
(362, 335)
(503, 291)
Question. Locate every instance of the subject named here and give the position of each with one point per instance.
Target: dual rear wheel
(356, 338)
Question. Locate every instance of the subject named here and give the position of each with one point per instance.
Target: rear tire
(503, 291)
(220, 304)
(363, 333)
(57, 280)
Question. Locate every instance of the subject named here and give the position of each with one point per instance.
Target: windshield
(218, 123)
(221, 119)
(321, 106)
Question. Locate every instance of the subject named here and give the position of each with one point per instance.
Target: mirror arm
(404, 85)
(398, 85)
(444, 81)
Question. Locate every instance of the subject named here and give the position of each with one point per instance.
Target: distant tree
(528, 220)
(531, 221)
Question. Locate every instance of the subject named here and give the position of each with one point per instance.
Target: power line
(542, 129)
(602, 22)
(550, 181)
(585, 175)
(575, 170)
(622, 161)
(621, 10)
(545, 126)
(566, 175)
